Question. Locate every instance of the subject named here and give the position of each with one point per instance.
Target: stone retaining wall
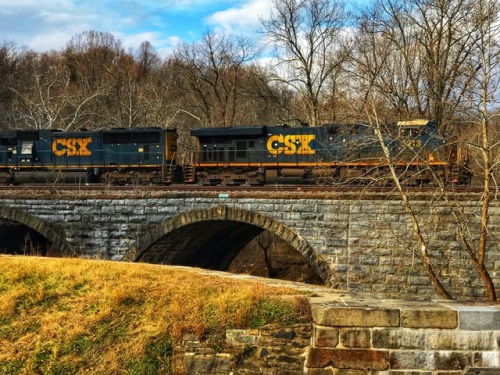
(403, 337)
(352, 335)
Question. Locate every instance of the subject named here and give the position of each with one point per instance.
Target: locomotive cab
(419, 146)
(419, 140)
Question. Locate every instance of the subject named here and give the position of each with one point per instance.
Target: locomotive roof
(419, 122)
(238, 130)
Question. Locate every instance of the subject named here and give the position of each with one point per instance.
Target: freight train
(244, 155)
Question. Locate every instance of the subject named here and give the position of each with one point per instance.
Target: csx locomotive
(347, 153)
(251, 155)
(116, 156)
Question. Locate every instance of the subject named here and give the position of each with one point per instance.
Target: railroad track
(278, 188)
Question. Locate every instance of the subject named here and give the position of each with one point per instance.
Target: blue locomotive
(347, 153)
(118, 156)
(245, 155)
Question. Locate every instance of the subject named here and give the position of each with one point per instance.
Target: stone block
(478, 318)
(242, 337)
(462, 340)
(358, 372)
(355, 338)
(354, 359)
(487, 359)
(398, 339)
(321, 371)
(208, 364)
(337, 315)
(441, 317)
(429, 360)
(326, 337)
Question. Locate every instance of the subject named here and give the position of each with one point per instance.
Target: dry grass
(74, 316)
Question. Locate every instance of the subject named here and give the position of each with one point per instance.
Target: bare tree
(9, 62)
(476, 106)
(148, 58)
(95, 61)
(160, 99)
(306, 35)
(44, 98)
(425, 48)
(486, 85)
(209, 73)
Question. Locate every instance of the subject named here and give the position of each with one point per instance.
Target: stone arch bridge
(355, 243)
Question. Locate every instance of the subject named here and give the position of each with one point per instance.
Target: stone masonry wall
(271, 349)
(367, 244)
(403, 338)
(358, 335)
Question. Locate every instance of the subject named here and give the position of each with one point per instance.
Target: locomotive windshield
(414, 128)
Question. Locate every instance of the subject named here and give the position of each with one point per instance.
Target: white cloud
(50, 24)
(43, 25)
(241, 19)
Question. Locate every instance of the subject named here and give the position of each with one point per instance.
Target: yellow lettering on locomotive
(412, 143)
(71, 146)
(304, 144)
(290, 144)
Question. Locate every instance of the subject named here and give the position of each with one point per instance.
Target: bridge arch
(15, 215)
(246, 225)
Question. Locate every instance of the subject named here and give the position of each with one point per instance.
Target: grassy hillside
(74, 316)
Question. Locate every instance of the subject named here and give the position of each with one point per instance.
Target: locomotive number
(412, 143)
(71, 146)
(290, 144)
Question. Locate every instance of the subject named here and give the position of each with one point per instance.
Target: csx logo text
(71, 146)
(290, 144)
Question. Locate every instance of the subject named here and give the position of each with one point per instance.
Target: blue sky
(44, 25)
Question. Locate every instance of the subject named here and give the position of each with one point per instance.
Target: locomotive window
(28, 136)
(125, 137)
(409, 132)
(241, 149)
(146, 137)
(251, 144)
(27, 148)
(109, 138)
